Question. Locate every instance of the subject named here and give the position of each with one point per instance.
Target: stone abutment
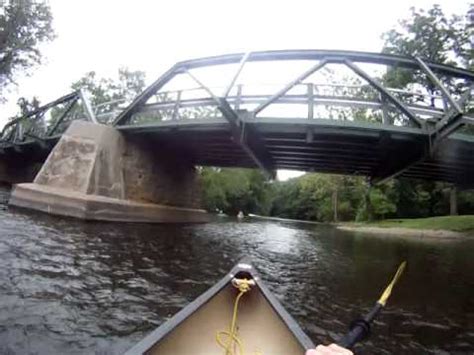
(96, 173)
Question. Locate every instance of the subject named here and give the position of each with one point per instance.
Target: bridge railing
(305, 100)
(106, 112)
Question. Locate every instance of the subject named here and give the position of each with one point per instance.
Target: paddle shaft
(360, 328)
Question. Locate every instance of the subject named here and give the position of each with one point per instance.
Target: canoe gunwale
(289, 321)
(242, 268)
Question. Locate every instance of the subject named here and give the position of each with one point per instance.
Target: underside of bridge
(319, 146)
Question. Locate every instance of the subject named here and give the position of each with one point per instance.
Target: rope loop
(243, 285)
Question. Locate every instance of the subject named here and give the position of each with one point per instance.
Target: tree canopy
(326, 197)
(24, 26)
(430, 35)
(107, 94)
(234, 190)
(129, 84)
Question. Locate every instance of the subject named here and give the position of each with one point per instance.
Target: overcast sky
(103, 35)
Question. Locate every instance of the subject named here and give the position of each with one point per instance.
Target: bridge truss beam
(447, 120)
(247, 138)
(31, 127)
(284, 55)
(453, 118)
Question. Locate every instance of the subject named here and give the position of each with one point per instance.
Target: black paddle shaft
(359, 329)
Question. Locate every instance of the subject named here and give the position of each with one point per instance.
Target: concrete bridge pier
(97, 173)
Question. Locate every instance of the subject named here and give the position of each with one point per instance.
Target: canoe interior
(262, 330)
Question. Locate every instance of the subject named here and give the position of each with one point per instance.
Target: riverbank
(445, 227)
(283, 219)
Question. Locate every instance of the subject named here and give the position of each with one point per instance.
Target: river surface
(69, 287)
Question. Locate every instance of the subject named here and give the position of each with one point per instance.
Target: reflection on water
(82, 288)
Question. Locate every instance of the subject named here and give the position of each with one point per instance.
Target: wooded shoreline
(432, 234)
(442, 228)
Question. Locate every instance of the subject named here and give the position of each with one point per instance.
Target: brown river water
(70, 287)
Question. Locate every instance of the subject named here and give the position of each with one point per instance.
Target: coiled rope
(232, 339)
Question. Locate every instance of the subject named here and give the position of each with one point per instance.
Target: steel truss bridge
(362, 128)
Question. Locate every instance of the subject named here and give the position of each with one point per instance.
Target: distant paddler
(240, 215)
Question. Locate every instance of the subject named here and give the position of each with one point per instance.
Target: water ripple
(97, 288)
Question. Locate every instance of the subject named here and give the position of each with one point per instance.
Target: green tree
(108, 95)
(382, 200)
(214, 195)
(27, 105)
(433, 36)
(33, 124)
(99, 90)
(286, 199)
(318, 197)
(234, 190)
(130, 83)
(430, 35)
(24, 26)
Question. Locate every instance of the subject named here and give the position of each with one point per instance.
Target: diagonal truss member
(243, 135)
(17, 129)
(452, 120)
(453, 117)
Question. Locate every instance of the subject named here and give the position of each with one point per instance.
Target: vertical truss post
(18, 132)
(236, 75)
(238, 97)
(176, 106)
(445, 105)
(310, 91)
(385, 114)
(87, 106)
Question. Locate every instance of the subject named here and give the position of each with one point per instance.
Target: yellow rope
(232, 339)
